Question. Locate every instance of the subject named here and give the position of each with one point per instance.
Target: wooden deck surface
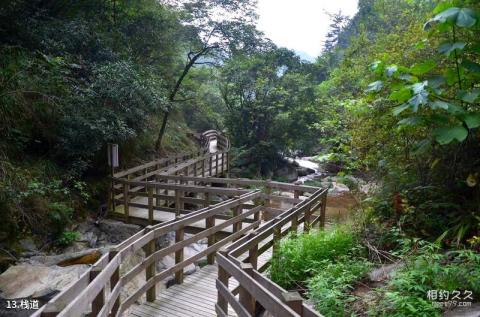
(196, 297)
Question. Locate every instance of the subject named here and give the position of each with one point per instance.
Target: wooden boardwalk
(196, 297)
(240, 220)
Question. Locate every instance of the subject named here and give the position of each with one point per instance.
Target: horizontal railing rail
(240, 262)
(97, 291)
(243, 218)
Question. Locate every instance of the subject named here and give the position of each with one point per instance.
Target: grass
(328, 265)
(299, 258)
(406, 294)
(330, 288)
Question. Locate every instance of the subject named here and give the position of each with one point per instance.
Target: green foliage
(60, 216)
(67, 238)
(406, 112)
(406, 294)
(432, 92)
(269, 106)
(330, 288)
(300, 258)
(438, 105)
(75, 76)
(329, 263)
(129, 97)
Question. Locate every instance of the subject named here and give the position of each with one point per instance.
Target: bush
(60, 216)
(67, 238)
(406, 294)
(331, 286)
(300, 258)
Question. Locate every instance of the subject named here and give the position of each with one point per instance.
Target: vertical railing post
(256, 216)
(114, 279)
(223, 162)
(126, 202)
(294, 301)
(253, 252)
(157, 191)
(203, 168)
(216, 165)
(223, 277)
(150, 270)
(294, 223)
(99, 300)
(182, 193)
(145, 178)
(210, 165)
(165, 193)
(308, 219)
(179, 235)
(228, 164)
(206, 201)
(268, 191)
(195, 173)
(246, 299)
(266, 203)
(277, 231)
(111, 196)
(323, 211)
(209, 222)
(237, 226)
(150, 205)
(296, 194)
(177, 202)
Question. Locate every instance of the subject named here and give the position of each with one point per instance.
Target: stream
(340, 201)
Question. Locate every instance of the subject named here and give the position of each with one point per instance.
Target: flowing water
(340, 201)
(306, 162)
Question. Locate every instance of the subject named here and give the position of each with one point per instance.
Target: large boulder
(28, 280)
(105, 232)
(288, 172)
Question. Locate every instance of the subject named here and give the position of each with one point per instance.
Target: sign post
(113, 161)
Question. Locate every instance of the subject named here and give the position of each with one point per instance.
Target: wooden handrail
(252, 284)
(97, 291)
(242, 181)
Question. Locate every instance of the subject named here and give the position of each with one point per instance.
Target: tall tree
(217, 29)
(338, 21)
(268, 97)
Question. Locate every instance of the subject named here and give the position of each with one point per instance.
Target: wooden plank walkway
(196, 297)
(154, 193)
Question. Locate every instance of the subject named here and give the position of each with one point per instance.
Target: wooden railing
(97, 292)
(161, 191)
(240, 262)
(238, 217)
(223, 143)
(129, 184)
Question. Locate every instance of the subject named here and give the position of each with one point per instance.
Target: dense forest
(394, 99)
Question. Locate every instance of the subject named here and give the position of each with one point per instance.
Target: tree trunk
(158, 143)
(176, 88)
